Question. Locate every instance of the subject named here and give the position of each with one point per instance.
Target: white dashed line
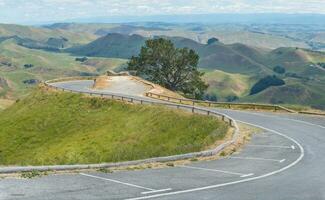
(254, 158)
(271, 146)
(116, 181)
(156, 191)
(220, 171)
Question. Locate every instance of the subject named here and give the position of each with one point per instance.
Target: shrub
(170, 164)
(105, 170)
(210, 97)
(30, 174)
(266, 82)
(231, 98)
(28, 66)
(82, 59)
(279, 69)
(212, 40)
(223, 153)
(193, 159)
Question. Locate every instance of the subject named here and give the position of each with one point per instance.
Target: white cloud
(56, 10)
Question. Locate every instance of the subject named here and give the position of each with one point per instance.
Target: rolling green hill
(242, 66)
(224, 85)
(112, 46)
(45, 65)
(49, 127)
(215, 56)
(235, 64)
(43, 34)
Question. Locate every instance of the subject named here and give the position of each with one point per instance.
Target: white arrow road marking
(254, 158)
(128, 184)
(271, 146)
(216, 170)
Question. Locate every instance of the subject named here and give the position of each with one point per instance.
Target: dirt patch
(157, 89)
(5, 103)
(101, 82)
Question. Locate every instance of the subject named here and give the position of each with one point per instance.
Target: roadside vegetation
(49, 127)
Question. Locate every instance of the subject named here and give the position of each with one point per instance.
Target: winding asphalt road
(286, 161)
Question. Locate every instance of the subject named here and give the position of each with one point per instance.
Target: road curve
(285, 162)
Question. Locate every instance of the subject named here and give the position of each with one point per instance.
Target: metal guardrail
(211, 103)
(125, 98)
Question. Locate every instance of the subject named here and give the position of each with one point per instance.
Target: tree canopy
(161, 62)
(266, 82)
(212, 40)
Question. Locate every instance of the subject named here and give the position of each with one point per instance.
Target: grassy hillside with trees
(50, 127)
(30, 54)
(22, 68)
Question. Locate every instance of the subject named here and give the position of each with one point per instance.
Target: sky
(38, 11)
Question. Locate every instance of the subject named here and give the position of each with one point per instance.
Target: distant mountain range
(257, 18)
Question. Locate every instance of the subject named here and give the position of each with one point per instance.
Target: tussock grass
(62, 128)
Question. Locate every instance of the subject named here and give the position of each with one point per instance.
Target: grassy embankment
(63, 128)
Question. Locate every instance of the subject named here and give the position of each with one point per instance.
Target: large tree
(174, 68)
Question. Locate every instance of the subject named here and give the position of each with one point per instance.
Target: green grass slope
(51, 127)
(223, 85)
(295, 92)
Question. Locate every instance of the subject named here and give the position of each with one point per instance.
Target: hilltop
(52, 127)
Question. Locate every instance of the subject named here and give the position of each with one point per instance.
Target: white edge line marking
(285, 118)
(293, 147)
(281, 161)
(156, 191)
(254, 158)
(271, 146)
(116, 181)
(216, 170)
(302, 153)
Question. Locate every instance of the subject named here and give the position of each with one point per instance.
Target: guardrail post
(180, 100)
(209, 104)
(275, 107)
(131, 100)
(122, 98)
(208, 112)
(141, 101)
(101, 95)
(230, 122)
(193, 110)
(193, 103)
(112, 96)
(229, 106)
(223, 118)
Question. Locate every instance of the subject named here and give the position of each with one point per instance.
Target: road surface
(286, 161)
